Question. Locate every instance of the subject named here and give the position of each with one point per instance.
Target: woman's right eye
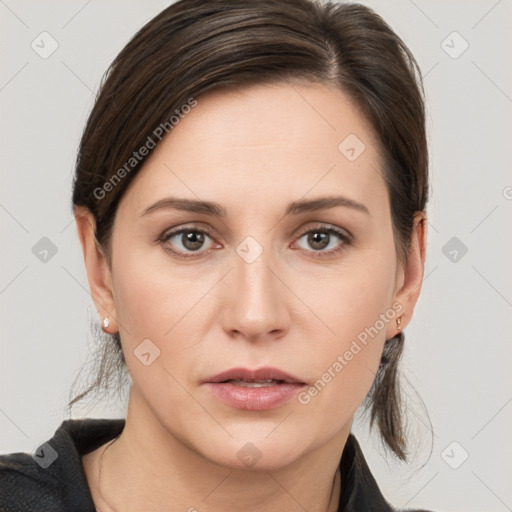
(188, 240)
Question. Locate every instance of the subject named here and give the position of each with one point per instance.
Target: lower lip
(254, 399)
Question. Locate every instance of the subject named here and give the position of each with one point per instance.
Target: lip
(248, 375)
(257, 398)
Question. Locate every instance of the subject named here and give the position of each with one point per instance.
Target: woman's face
(263, 285)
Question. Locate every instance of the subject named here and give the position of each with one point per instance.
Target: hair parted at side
(196, 46)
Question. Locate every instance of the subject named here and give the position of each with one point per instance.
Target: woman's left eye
(321, 237)
(192, 240)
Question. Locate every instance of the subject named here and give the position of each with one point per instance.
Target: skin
(253, 150)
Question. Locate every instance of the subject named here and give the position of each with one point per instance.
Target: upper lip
(248, 375)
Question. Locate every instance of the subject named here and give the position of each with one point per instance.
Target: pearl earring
(398, 323)
(106, 322)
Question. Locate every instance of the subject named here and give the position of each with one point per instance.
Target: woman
(250, 197)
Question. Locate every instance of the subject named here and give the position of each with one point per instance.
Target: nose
(255, 302)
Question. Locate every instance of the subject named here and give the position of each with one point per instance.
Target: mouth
(254, 390)
(261, 377)
(253, 384)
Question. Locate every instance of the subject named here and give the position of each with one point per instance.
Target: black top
(53, 479)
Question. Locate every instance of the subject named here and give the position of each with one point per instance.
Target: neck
(148, 468)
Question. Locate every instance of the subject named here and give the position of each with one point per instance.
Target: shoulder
(412, 510)
(52, 478)
(25, 485)
(361, 491)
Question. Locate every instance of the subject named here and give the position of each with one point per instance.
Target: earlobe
(413, 271)
(96, 265)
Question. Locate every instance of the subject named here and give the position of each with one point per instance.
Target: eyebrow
(215, 209)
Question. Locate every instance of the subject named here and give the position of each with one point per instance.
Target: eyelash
(343, 236)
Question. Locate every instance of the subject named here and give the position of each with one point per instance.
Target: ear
(96, 264)
(410, 275)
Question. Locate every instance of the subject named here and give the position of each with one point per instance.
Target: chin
(254, 452)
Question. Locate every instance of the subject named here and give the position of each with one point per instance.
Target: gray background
(458, 348)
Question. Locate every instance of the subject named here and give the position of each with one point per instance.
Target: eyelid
(180, 228)
(323, 226)
(320, 225)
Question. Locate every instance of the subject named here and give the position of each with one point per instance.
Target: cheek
(157, 301)
(352, 296)
(356, 306)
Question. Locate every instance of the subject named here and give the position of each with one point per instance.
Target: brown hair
(195, 46)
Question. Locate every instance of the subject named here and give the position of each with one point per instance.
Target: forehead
(264, 143)
(305, 116)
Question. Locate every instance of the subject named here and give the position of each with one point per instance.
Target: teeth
(255, 384)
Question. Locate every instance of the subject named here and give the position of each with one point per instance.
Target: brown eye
(184, 241)
(192, 240)
(320, 238)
